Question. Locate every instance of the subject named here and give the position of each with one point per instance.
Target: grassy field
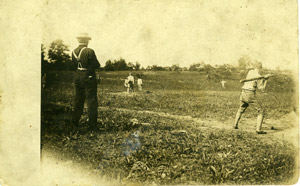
(176, 131)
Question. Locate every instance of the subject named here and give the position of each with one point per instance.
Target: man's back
(85, 82)
(88, 58)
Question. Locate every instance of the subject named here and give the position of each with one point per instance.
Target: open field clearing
(178, 130)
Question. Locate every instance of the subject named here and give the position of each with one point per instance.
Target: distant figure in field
(223, 83)
(130, 79)
(248, 96)
(207, 77)
(140, 82)
(126, 84)
(85, 82)
(98, 78)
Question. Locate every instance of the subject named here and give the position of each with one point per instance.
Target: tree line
(58, 58)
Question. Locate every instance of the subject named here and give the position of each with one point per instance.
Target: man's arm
(94, 61)
(262, 85)
(74, 61)
(73, 58)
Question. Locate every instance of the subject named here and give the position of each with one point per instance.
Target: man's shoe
(72, 129)
(261, 132)
(94, 129)
(235, 127)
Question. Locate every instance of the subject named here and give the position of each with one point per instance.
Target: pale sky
(179, 31)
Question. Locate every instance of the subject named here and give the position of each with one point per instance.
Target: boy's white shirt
(139, 81)
(130, 78)
(251, 85)
(126, 83)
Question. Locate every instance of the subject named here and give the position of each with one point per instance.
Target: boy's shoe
(261, 132)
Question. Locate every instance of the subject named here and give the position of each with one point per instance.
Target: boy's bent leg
(260, 119)
(258, 103)
(243, 107)
(237, 119)
(259, 123)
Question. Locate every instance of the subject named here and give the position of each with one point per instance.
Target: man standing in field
(126, 84)
(248, 96)
(139, 82)
(223, 83)
(130, 79)
(85, 82)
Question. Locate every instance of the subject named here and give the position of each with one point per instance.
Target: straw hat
(84, 36)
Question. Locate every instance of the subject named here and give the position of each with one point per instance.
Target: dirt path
(284, 129)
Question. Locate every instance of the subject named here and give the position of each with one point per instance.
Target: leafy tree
(175, 67)
(208, 69)
(69, 65)
(185, 69)
(137, 66)
(224, 71)
(109, 66)
(130, 66)
(58, 54)
(197, 66)
(120, 64)
(193, 67)
(157, 68)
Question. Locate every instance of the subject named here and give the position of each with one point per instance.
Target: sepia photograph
(149, 93)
